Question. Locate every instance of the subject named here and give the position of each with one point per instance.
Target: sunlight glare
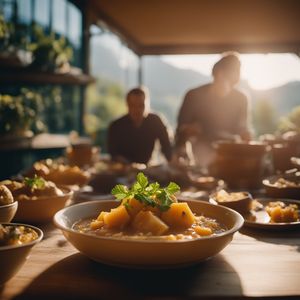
(262, 71)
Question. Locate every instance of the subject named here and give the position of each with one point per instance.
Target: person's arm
(164, 139)
(112, 141)
(244, 128)
(187, 123)
(187, 110)
(112, 145)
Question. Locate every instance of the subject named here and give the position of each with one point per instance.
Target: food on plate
(281, 212)
(59, 173)
(32, 188)
(223, 196)
(16, 235)
(6, 196)
(285, 183)
(148, 211)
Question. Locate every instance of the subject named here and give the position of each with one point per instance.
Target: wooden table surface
(252, 265)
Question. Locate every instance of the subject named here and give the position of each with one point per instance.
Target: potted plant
(18, 114)
(50, 53)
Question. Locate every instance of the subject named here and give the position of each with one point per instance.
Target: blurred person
(132, 137)
(214, 111)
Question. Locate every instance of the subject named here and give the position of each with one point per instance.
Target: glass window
(59, 16)
(7, 9)
(115, 67)
(42, 12)
(24, 11)
(74, 25)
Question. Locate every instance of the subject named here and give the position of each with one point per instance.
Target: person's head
(138, 104)
(227, 69)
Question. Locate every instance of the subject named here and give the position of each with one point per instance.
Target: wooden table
(253, 265)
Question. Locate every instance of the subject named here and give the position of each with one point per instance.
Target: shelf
(20, 75)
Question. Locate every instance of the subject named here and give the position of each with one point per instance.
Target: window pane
(7, 10)
(41, 12)
(24, 11)
(74, 26)
(59, 16)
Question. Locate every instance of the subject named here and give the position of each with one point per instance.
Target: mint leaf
(142, 180)
(144, 199)
(152, 188)
(136, 187)
(172, 188)
(148, 194)
(120, 191)
(165, 201)
(35, 182)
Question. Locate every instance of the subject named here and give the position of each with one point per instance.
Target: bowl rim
(38, 230)
(15, 203)
(238, 225)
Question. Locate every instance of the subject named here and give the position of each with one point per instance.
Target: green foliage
(148, 194)
(18, 113)
(35, 182)
(265, 117)
(4, 30)
(49, 52)
(105, 102)
(291, 121)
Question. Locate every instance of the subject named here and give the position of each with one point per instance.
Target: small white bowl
(147, 253)
(13, 257)
(8, 211)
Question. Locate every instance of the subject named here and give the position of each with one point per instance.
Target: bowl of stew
(16, 242)
(212, 231)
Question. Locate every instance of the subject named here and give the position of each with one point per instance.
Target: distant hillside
(283, 98)
(164, 79)
(168, 84)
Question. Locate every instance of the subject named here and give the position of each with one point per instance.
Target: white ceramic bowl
(7, 212)
(147, 253)
(13, 257)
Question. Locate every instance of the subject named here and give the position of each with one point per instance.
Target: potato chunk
(203, 231)
(117, 217)
(134, 206)
(101, 216)
(96, 224)
(179, 215)
(146, 221)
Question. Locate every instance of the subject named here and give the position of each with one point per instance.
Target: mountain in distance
(165, 79)
(168, 84)
(284, 98)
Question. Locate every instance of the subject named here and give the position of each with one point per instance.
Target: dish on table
(38, 199)
(208, 183)
(16, 241)
(8, 206)
(239, 201)
(263, 212)
(150, 236)
(283, 186)
(59, 173)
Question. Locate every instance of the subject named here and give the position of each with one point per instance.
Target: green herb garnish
(35, 182)
(148, 194)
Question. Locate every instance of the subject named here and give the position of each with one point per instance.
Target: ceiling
(202, 26)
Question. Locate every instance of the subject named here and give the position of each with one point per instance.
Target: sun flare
(262, 71)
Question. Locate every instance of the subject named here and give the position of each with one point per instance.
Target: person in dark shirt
(132, 137)
(214, 111)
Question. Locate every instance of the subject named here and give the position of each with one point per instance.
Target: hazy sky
(262, 71)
